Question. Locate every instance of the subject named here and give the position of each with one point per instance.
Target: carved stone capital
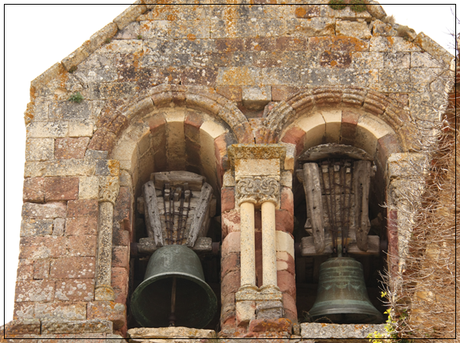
(258, 189)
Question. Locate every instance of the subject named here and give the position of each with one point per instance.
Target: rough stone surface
(340, 331)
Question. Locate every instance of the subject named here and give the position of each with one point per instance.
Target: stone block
(60, 311)
(285, 242)
(287, 200)
(130, 14)
(24, 310)
(18, 328)
(290, 308)
(34, 290)
(88, 187)
(227, 199)
(58, 168)
(355, 29)
(296, 137)
(120, 284)
(230, 282)
(81, 128)
(65, 148)
(109, 310)
(49, 129)
(81, 208)
(41, 269)
(161, 334)
(33, 190)
(230, 263)
(58, 227)
(340, 331)
(231, 243)
(50, 210)
(284, 221)
(270, 325)
(120, 256)
(36, 227)
(73, 268)
(79, 226)
(61, 188)
(25, 270)
(36, 247)
(81, 245)
(285, 262)
(286, 283)
(255, 98)
(245, 312)
(39, 149)
(74, 290)
(76, 326)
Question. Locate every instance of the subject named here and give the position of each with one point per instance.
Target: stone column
(248, 252)
(257, 171)
(269, 276)
(109, 186)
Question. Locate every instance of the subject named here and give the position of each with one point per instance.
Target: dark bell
(174, 291)
(342, 294)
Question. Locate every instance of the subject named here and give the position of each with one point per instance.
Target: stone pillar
(248, 253)
(268, 244)
(109, 186)
(257, 170)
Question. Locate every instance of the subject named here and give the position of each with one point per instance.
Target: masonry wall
(260, 72)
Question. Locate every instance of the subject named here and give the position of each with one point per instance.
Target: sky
(36, 36)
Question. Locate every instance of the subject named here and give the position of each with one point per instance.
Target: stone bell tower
(249, 143)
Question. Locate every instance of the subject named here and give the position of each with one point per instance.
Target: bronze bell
(342, 294)
(174, 292)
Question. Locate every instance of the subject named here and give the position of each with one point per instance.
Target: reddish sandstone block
(75, 290)
(50, 210)
(270, 325)
(286, 282)
(284, 221)
(350, 117)
(120, 256)
(230, 262)
(84, 207)
(41, 269)
(386, 146)
(284, 261)
(25, 270)
(122, 212)
(121, 238)
(65, 148)
(227, 198)
(283, 93)
(230, 283)
(296, 136)
(120, 284)
(33, 190)
(61, 188)
(230, 222)
(287, 200)
(73, 268)
(42, 247)
(24, 310)
(80, 226)
(103, 140)
(82, 245)
(107, 310)
(231, 243)
(233, 93)
(34, 290)
(290, 308)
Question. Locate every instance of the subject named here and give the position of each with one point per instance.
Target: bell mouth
(195, 301)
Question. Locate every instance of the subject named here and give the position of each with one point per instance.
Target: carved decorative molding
(258, 189)
(256, 151)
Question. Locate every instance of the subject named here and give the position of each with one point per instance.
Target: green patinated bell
(342, 294)
(174, 291)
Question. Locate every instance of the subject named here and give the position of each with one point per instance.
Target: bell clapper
(172, 317)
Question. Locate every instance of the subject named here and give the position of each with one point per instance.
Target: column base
(258, 303)
(104, 292)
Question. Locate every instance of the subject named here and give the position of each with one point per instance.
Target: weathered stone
(50, 210)
(75, 290)
(109, 310)
(130, 14)
(61, 188)
(169, 332)
(70, 147)
(34, 247)
(61, 310)
(340, 331)
(18, 328)
(58, 227)
(76, 326)
(85, 225)
(39, 149)
(353, 29)
(84, 207)
(36, 227)
(88, 187)
(81, 245)
(33, 190)
(34, 290)
(73, 268)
